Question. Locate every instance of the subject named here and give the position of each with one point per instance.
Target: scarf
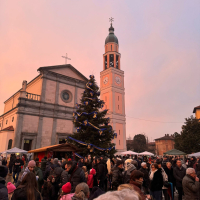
(152, 174)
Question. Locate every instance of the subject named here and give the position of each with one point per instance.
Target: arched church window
(12, 119)
(6, 121)
(118, 98)
(118, 107)
(119, 132)
(10, 144)
(119, 142)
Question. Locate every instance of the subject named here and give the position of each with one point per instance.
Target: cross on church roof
(111, 19)
(66, 58)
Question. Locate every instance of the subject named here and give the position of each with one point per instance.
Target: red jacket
(90, 179)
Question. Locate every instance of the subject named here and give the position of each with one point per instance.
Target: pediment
(66, 70)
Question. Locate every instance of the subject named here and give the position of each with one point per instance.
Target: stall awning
(174, 152)
(57, 148)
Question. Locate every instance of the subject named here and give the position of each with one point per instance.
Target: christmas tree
(93, 133)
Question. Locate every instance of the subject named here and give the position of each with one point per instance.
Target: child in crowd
(11, 188)
(90, 180)
(48, 189)
(66, 189)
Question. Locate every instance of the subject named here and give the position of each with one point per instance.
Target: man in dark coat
(64, 176)
(3, 188)
(191, 185)
(77, 175)
(117, 177)
(43, 164)
(101, 173)
(146, 180)
(169, 171)
(17, 168)
(179, 172)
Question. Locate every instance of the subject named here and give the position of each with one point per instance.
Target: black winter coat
(21, 194)
(17, 165)
(157, 183)
(64, 178)
(146, 181)
(77, 176)
(170, 175)
(3, 189)
(117, 177)
(43, 164)
(101, 171)
(179, 173)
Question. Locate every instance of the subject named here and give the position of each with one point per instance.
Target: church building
(40, 114)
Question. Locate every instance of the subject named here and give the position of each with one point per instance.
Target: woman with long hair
(27, 190)
(82, 192)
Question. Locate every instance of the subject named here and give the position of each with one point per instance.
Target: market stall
(55, 151)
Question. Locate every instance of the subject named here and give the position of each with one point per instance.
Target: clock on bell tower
(112, 89)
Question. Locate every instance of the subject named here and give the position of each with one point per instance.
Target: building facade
(40, 113)
(164, 144)
(112, 89)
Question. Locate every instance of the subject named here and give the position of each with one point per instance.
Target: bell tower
(112, 88)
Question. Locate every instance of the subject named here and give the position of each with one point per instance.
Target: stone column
(53, 136)
(39, 135)
(18, 131)
(44, 81)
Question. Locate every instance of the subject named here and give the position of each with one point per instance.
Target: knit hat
(93, 171)
(3, 171)
(119, 162)
(130, 167)
(67, 188)
(10, 187)
(31, 163)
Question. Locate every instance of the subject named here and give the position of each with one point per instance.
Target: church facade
(40, 114)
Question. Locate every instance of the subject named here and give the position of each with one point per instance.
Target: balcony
(31, 96)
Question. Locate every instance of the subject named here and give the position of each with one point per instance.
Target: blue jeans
(15, 179)
(157, 195)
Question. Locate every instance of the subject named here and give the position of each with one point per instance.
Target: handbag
(166, 184)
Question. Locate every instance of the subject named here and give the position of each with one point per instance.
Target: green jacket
(38, 172)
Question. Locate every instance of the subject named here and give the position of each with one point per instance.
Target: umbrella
(16, 150)
(146, 153)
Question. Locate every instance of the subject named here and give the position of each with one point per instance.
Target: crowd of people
(100, 178)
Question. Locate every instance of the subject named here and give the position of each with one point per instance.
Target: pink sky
(159, 44)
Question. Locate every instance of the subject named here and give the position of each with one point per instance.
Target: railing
(33, 96)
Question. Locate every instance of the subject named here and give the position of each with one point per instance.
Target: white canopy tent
(194, 154)
(146, 153)
(126, 153)
(15, 150)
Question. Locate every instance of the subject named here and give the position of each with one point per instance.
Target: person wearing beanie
(136, 181)
(11, 188)
(66, 189)
(29, 168)
(90, 180)
(129, 168)
(3, 188)
(117, 177)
